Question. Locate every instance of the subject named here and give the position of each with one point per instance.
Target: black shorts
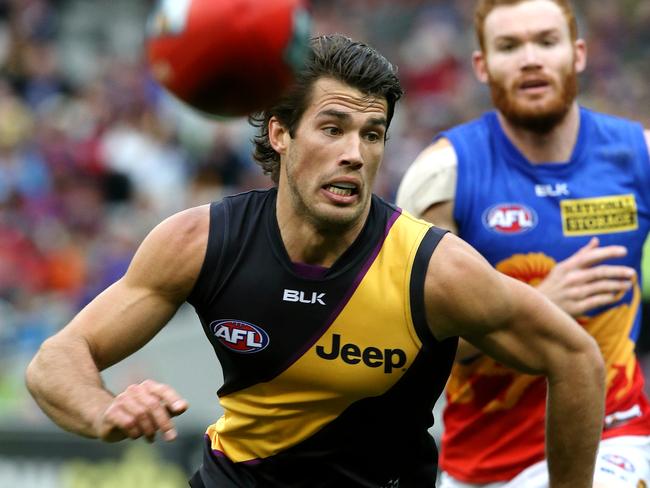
(196, 481)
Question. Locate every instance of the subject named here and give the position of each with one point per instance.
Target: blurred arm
(64, 376)
(519, 327)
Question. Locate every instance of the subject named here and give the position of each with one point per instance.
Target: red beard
(542, 117)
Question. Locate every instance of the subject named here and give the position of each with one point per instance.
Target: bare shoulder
(171, 256)
(462, 290)
(184, 228)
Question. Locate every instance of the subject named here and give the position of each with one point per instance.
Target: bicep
(132, 310)
(504, 318)
(528, 332)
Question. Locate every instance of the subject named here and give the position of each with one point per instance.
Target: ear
(278, 135)
(580, 49)
(479, 64)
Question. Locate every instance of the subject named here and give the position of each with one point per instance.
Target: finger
(593, 243)
(593, 302)
(168, 404)
(161, 417)
(118, 423)
(604, 272)
(138, 403)
(615, 288)
(175, 403)
(575, 259)
(595, 256)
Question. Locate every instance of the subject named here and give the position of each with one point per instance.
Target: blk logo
(556, 190)
(302, 297)
(373, 357)
(509, 218)
(240, 336)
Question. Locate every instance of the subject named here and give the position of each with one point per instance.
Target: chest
(556, 212)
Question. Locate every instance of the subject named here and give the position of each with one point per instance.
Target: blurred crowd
(93, 153)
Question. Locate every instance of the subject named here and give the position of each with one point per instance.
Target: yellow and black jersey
(330, 375)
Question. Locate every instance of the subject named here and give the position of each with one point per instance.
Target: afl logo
(240, 336)
(509, 218)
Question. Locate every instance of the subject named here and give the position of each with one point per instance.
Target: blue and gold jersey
(524, 218)
(329, 378)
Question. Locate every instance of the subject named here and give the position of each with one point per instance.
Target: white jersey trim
(430, 179)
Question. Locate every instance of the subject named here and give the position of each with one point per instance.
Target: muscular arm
(519, 327)
(64, 376)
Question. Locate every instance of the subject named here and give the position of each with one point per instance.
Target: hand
(141, 410)
(579, 283)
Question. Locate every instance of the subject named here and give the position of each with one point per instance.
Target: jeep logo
(372, 357)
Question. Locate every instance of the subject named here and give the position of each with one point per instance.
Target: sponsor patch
(602, 215)
(509, 218)
(372, 357)
(240, 336)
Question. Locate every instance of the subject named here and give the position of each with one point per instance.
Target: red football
(227, 57)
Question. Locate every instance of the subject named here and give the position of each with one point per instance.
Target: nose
(530, 56)
(351, 151)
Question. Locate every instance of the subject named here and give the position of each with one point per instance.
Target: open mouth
(531, 84)
(342, 189)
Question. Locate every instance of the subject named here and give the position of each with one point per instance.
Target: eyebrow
(344, 116)
(514, 37)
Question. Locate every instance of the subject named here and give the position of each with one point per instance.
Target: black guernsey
(330, 375)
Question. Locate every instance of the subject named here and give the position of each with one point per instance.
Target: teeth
(341, 189)
(351, 186)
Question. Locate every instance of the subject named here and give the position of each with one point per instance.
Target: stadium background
(93, 154)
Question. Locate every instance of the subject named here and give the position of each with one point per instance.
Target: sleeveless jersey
(328, 380)
(524, 218)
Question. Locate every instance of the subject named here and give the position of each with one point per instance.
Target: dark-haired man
(334, 315)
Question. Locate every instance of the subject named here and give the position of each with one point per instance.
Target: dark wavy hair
(333, 56)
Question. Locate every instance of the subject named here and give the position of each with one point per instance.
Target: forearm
(575, 414)
(66, 384)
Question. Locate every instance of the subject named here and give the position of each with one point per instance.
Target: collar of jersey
(354, 255)
(514, 156)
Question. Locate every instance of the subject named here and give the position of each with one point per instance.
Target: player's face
(530, 63)
(328, 168)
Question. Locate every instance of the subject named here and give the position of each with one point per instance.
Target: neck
(310, 243)
(554, 146)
